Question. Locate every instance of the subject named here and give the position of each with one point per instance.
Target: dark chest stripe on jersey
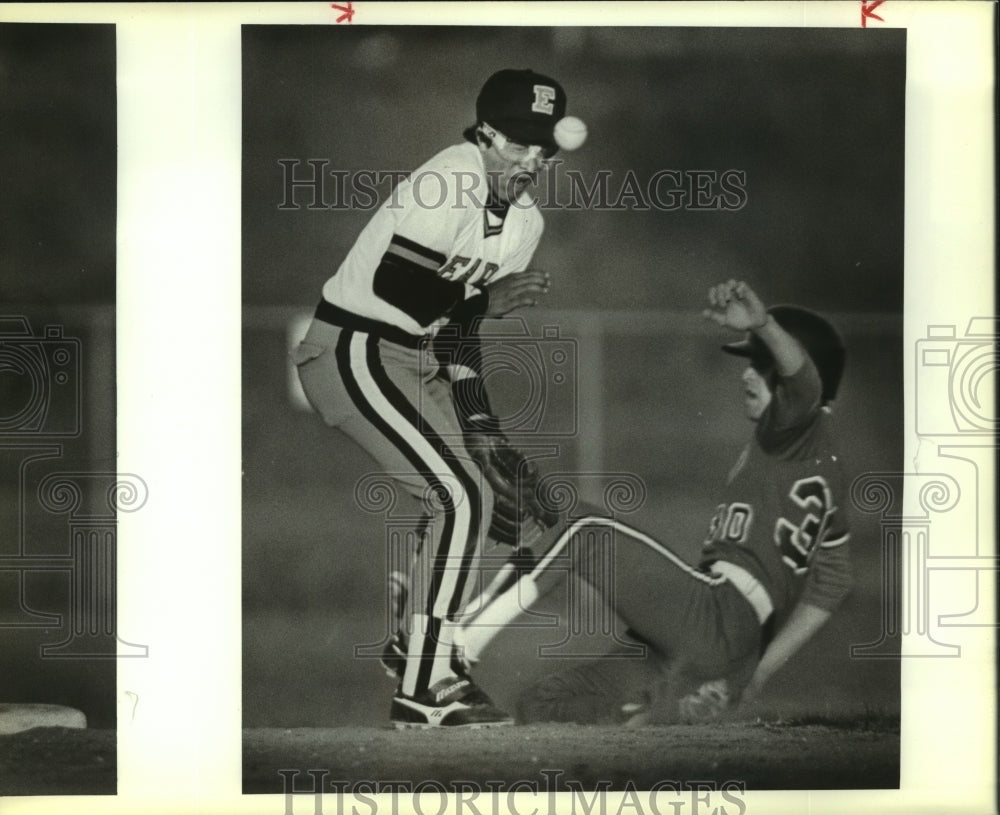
(407, 278)
(414, 253)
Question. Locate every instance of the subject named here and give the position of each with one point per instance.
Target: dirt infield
(58, 761)
(823, 754)
(844, 755)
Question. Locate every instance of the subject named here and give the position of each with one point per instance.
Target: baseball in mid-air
(570, 132)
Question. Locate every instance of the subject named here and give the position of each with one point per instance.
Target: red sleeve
(795, 403)
(830, 579)
(795, 397)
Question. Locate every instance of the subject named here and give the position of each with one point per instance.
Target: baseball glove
(514, 480)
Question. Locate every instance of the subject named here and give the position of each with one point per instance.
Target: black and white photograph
(498, 407)
(505, 491)
(60, 487)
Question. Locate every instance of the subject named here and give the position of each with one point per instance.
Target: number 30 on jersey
(812, 503)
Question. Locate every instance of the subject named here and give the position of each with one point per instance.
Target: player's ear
(477, 135)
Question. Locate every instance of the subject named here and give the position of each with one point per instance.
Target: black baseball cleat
(455, 701)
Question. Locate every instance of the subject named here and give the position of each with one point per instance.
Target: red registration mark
(868, 12)
(348, 11)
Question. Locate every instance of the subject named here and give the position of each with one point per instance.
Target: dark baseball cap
(522, 105)
(820, 339)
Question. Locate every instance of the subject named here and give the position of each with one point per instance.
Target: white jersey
(433, 244)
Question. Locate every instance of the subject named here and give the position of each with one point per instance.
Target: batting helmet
(522, 105)
(818, 337)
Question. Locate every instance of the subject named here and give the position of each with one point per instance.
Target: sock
(501, 611)
(441, 668)
(450, 632)
(418, 633)
(424, 628)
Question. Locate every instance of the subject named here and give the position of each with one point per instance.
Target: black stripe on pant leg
(472, 490)
(415, 419)
(406, 409)
(399, 401)
(356, 394)
(441, 557)
(421, 532)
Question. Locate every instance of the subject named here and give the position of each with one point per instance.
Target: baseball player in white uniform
(451, 244)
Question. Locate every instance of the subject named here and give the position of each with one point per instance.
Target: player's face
(756, 392)
(511, 168)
